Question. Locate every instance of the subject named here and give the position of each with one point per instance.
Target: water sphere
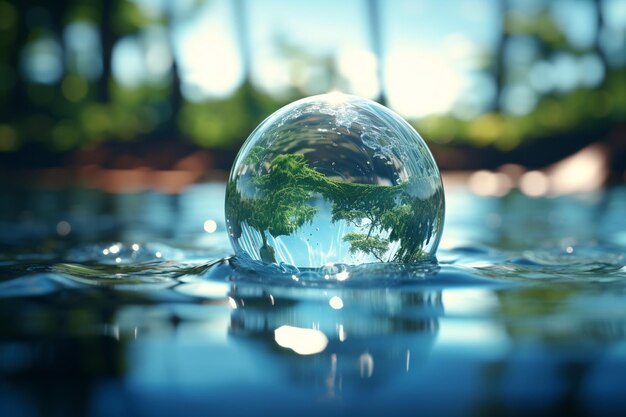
(334, 179)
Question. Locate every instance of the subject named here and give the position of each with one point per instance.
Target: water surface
(129, 305)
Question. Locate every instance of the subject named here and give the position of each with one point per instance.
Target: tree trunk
(374, 24)
(267, 252)
(499, 60)
(107, 39)
(170, 131)
(15, 104)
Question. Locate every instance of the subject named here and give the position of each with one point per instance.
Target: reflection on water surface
(120, 304)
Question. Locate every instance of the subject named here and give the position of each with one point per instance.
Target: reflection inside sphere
(334, 179)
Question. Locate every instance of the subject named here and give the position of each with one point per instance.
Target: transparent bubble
(334, 179)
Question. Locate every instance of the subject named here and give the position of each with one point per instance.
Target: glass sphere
(334, 179)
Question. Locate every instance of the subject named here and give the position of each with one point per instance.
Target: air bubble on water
(343, 169)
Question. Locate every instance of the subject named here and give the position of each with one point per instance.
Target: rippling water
(130, 305)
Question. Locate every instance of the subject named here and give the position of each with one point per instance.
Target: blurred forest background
(89, 88)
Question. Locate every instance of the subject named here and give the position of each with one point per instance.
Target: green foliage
(78, 107)
(382, 214)
(224, 122)
(254, 156)
(541, 27)
(580, 110)
(130, 17)
(413, 222)
(368, 244)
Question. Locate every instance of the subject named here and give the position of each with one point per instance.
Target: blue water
(125, 305)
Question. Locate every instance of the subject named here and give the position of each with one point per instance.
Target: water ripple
(155, 265)
(373, 274)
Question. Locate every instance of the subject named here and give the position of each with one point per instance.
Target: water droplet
(210, 226)
(63, 228)
(336, 302)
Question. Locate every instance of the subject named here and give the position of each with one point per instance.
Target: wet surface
(130, 305)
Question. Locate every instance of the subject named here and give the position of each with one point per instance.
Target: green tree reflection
(380, 214)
